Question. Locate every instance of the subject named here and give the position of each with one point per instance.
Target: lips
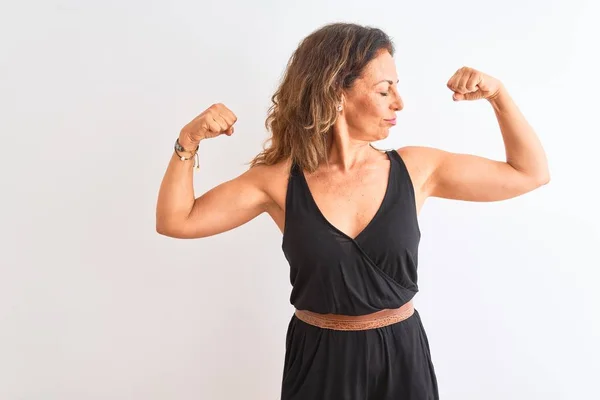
(391, 121)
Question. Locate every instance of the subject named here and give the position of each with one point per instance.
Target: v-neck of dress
(371, 221)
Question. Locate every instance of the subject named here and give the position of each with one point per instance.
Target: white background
(94, 304)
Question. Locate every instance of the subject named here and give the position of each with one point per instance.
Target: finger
(458, 97)
(213, 126)
(462, 83)
(453, 80)
(227, 114)
(230, 116)
(476, 95)
(473, 81)
(229, 131)
(223, 125)
(227, 117)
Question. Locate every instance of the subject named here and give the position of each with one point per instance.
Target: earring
(339, 108)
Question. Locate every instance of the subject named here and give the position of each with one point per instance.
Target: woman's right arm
(179, 214)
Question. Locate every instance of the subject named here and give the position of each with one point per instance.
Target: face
(370, 106)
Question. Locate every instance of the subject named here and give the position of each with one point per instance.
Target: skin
(349, 189)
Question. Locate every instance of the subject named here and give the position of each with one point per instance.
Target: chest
(349, 202)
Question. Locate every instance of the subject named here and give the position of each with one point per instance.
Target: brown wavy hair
(304, 107)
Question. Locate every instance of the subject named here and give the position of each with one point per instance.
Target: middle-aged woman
(347, 211)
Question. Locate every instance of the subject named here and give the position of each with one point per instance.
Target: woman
(347, 211)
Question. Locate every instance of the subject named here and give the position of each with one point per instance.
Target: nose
(398, 104)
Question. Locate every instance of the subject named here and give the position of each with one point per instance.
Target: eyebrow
(388, 81)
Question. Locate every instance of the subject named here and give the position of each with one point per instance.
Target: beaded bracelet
(182, 158)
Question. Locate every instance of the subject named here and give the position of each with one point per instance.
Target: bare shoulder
(272, 179)
(420, 162)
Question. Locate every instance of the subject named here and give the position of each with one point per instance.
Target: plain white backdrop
(94, 304)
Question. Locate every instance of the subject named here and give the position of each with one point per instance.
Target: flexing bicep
(471, 178)
(224, 207)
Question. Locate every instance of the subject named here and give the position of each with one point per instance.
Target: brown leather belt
(357, 323)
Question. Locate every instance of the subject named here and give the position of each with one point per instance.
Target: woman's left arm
(473, 178)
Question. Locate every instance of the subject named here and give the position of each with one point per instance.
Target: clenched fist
(212, 122)
(470, 84)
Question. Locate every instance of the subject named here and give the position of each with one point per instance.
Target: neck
(347, 153)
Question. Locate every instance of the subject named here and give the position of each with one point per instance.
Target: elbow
(161, 225)
(165, 228)
(539, 180)
(532, 182)
(543, 179)
(170, 232)
(175, 230)
(170, 224)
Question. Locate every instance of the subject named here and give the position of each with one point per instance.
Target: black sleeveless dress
(331, 272)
